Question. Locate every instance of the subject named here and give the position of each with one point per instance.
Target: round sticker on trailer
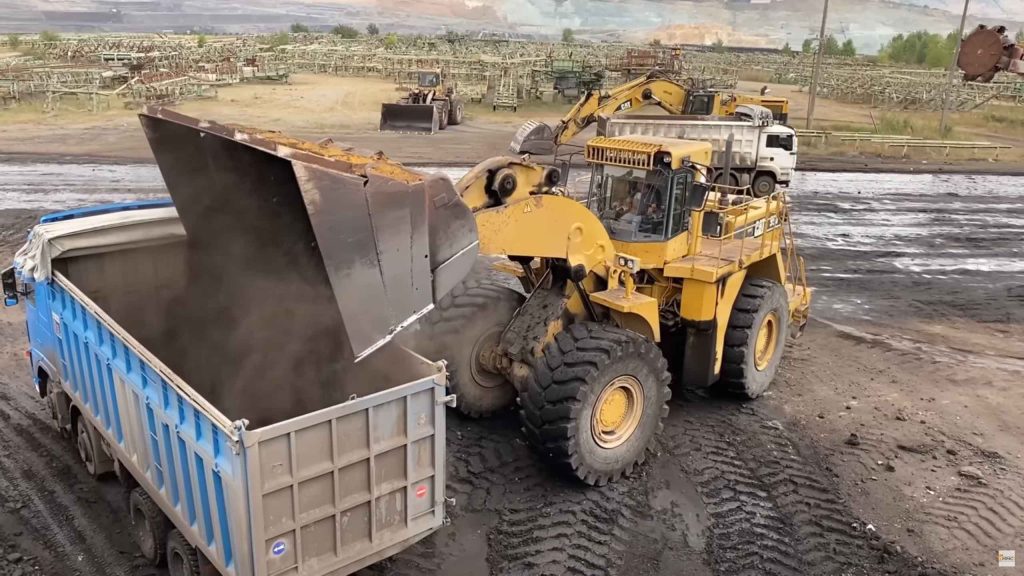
(278, 548)
(421, 491)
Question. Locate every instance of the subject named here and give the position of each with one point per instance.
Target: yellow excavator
(656, 88)
(655, 276)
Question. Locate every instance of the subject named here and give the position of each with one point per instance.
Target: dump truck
(431, 105)
(230, 356)
(656, 277)
(757, 152)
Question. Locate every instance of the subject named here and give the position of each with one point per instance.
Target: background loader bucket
(413, 118)
(358, 240)
(534, 138)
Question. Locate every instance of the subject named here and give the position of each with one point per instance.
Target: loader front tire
(465, 329)
(755, 338)
(596, 401)
(458, 112)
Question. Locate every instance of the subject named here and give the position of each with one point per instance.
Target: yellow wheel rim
(617, 411)
(767, 338)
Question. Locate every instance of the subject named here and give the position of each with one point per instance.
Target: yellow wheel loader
(655, 88)
(656, 276)
(431, 106)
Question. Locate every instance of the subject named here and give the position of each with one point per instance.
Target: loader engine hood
(390, 242)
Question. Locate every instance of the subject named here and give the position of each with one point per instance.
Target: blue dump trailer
(201, 352)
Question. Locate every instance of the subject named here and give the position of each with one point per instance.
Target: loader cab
(706, 103)
(428, 79)
(645, 190)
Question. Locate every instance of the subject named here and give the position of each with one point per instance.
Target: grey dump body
(746, 134)
(243, 372)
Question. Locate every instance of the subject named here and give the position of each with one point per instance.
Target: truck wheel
(182, 557)
(442, 119)
(457, 113)
(465, 329)
(755, 338)
(97, 462)
(596, 401)
(733, 179)
(149, 526)
(764, 185)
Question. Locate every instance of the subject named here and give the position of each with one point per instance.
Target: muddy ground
(890, 443)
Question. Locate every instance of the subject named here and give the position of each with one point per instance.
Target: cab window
(701, 104)
(639, 205)
(782, 141)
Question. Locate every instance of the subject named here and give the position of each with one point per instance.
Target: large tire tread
(553, 400)
(754, 296)
(448, 322)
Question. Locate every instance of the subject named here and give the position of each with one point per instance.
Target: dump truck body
(759, 148)
(231, 355)
(297, 494)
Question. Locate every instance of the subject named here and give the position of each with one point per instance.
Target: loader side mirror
(10, 285)
(697, 196)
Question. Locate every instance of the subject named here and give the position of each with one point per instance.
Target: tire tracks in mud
(772, 505)
(64, 509)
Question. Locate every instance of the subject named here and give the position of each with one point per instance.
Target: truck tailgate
(339, 489)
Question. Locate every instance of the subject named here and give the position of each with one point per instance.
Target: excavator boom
(653, 88)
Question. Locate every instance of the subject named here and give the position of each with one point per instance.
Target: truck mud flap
(409, 118)
(315, 223)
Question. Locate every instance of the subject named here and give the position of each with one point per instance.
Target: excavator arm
(654, 88)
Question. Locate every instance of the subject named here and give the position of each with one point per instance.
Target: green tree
(391, 40)
(718, 46)
(345, 31)
(920, 48)
(656, 42)
(1019, 38)
(201, 40)
(808, 46)
(14, 40)
(831, 46)
(568, 35)
(299, 28)
(848, 49)
(787, 49)
(49, 36)
(372, 29)
(279, 39)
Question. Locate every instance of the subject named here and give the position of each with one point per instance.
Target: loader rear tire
(596, 401)
(149, 526)
(755, 338)
(464, 329)
(182, 557)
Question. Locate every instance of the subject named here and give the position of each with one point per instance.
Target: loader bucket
(323, 232)
(409, 118)
(533, 138)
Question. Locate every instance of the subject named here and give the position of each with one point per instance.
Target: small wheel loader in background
(431, 106)
(657, 276)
